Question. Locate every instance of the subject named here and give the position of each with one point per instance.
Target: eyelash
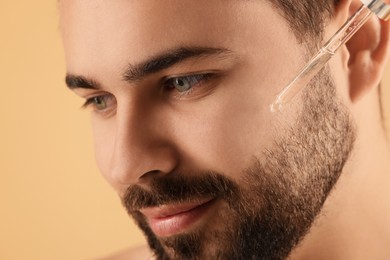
(167, 84)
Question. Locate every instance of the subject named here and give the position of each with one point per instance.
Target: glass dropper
(353, 24)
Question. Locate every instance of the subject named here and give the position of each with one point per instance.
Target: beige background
(53, 202)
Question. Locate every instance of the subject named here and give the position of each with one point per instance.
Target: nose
(142, 148)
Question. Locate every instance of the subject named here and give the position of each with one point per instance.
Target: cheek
(103, 135)
(225, 132)
(235, 125)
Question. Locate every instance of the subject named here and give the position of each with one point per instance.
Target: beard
(271, 208)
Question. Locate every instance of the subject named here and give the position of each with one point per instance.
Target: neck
(355, 221)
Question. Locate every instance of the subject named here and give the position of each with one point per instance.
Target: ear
(368, 50)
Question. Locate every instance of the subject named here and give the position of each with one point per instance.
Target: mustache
(179, 188)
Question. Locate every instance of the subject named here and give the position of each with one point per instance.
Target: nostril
(150, 175)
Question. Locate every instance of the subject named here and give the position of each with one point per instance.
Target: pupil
(180, 82)
(99, 103)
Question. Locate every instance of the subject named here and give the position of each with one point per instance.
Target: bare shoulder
(138, 253)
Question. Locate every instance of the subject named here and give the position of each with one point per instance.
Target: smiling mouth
(169, 220)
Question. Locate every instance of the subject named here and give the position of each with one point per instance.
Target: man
(180, 93)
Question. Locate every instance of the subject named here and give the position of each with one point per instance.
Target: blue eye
(182, 84)
(185, 84)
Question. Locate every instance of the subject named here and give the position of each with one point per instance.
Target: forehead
(114, 33)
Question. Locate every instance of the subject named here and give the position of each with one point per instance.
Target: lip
(169, 220)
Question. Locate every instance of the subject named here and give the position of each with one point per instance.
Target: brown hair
(307, 18)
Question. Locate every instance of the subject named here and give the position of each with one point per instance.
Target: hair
(307, 18)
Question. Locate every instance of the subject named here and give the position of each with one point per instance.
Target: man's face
(183, 130)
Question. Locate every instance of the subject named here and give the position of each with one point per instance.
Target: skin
(144, 134)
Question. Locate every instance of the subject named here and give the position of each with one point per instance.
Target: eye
(185, 84)
(182, 84)
(101, 103)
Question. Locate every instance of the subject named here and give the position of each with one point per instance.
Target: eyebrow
(155, 64)
(75, 81)
(168, 59)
